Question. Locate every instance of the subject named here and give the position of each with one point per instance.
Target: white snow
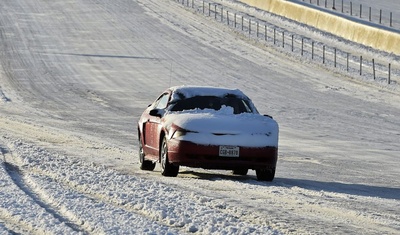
(76, 75)
(245, 129)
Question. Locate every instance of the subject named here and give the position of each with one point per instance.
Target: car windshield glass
(212, 102)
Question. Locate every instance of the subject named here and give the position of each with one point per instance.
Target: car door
(152, 126)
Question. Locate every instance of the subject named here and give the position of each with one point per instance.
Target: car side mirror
(266, 115)
(155, 113)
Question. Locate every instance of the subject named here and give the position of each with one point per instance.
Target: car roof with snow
(184, 92)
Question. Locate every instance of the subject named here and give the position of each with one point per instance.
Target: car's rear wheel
(265, 174)
(167, 169)
(145, 164)
(240, 171)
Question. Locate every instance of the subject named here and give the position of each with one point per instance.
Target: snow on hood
(222, 127)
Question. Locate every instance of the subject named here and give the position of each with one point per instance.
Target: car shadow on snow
(336, 187)
(214, 175)
(318, 186)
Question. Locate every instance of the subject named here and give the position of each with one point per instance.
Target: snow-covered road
(75, 76)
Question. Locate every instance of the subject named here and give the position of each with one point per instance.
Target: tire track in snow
(82, 209)
(6, 225)
(3, 97)
(101, 206)
(20, 180)
(142, 208)
(98, 194)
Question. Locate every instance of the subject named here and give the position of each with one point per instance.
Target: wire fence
(378, 16)
(298, 45)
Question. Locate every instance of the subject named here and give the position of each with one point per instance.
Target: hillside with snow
(76, 75)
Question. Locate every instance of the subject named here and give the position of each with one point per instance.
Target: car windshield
(212, 102)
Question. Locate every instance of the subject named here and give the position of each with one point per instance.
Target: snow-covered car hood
(210, 127)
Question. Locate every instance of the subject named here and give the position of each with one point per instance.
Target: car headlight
(181, 132)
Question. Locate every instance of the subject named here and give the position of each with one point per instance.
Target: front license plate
(228, 151)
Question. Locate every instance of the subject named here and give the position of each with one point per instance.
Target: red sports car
(207, 127)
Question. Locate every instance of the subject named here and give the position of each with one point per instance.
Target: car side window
(162, 101)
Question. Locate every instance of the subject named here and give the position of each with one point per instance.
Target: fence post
(215, 11)
(302, 46)
(370, 13)
(283, 39)
(209, 9)
(342, 6)
(227, 16)
(391, 19)
(258, 24)
(373, 68)
(222, 13)
(323, 54)
(347, 62)
(335, 58)
(361, 65)
(351, 8)
(334, 5)
(249, 26)
(235, 20)
(360, 10)
(312, 50)
(242, 23)
(380, 16)
(266, 32)
(274, 36)
(292, 41)
(389, 74)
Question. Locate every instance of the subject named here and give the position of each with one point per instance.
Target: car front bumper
(207, 156)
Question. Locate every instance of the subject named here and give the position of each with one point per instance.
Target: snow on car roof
(191, 91)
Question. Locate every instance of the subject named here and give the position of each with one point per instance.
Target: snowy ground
(76, 75)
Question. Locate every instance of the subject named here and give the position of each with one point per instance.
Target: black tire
(167, 169)
(240, 171)
(266, 174)
(145, 165)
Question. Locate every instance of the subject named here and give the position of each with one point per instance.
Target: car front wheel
(145, 164)
(167, 169)
(265, 174)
